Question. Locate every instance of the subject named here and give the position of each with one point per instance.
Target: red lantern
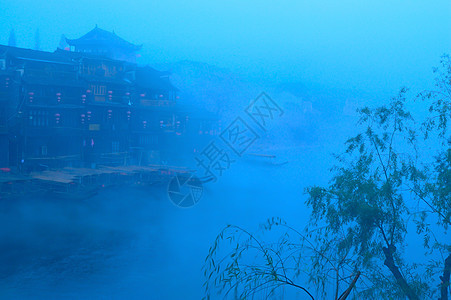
(82, 118)
(57, 118)
(143, 95)
(129, 113)
(144, 124)
(83, 99)
(110, 113)
(89, 115)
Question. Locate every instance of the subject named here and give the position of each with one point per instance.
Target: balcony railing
(61, 75)
(53, 100)
(149, 102)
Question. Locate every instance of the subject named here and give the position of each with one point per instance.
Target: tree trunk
(348, 291)
(445, 279)
(390, 263)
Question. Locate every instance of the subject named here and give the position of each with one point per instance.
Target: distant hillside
(310, 111)
(209, 87)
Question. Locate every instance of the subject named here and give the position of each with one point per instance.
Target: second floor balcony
(51, 74)
(156, 103)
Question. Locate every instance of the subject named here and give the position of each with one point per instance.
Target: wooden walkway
(84, 182)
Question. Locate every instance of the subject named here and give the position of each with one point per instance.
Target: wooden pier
(82, 183)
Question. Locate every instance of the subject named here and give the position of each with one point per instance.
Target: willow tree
(388, 197)
(367, 199)
(392, 183)
(431, 183)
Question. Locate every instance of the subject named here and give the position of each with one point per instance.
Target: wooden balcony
(52, 101)
(156, 103)
(60, 75)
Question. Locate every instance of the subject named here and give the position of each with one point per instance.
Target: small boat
(206, 179)
(272, 159)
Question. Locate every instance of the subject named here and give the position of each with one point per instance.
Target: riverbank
(82, 183)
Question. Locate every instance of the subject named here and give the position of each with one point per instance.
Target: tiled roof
(100, 37)
(149, 78)
(35, 55)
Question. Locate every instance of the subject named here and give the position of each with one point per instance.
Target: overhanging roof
(149, 78)
(35, 55)
(102, 38)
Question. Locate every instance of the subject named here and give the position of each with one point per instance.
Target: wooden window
(98, 90)
(148, 140)
(143, 140)
(153, 140)
(115, 147)
(38, 118)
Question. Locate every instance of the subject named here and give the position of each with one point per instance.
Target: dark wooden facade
(83, 107)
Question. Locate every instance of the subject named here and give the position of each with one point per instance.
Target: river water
(134, 243)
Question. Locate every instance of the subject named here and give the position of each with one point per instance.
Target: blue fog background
(374, 46)
(319, 60)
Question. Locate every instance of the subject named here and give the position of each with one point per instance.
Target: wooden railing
(62, 75)
(149, 102)
(52, 100)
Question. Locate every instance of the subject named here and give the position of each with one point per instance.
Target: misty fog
(319, 61)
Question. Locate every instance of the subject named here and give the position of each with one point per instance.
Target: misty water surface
(134, 242)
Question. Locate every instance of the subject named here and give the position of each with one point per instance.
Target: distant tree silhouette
(37, 40)
(12, 38)
(63, 43)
